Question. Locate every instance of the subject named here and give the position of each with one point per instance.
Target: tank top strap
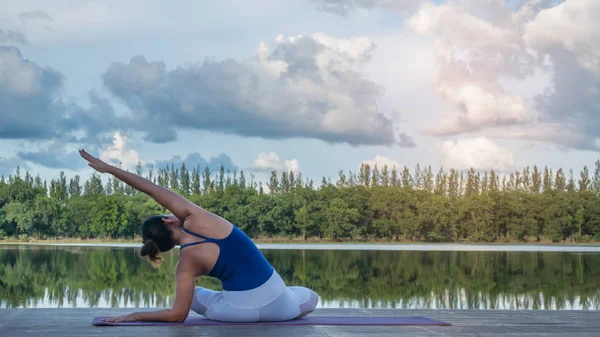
(198, 235)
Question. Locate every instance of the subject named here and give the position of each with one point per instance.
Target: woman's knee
(204, 299)
(307, 299)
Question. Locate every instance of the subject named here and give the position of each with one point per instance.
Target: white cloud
(381, 162)
(507, 71)
(573, 25)
(479, 153)
(268, 161)
(472, 55)
(568, 36)
(483, 105)
(118, 152)
(292, 165)
(23, 78)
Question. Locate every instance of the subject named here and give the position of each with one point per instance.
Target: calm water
(34, 276)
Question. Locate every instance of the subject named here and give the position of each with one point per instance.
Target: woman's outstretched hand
(124, 318)
(94, 162)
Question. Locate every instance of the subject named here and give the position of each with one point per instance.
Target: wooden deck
(465, 323)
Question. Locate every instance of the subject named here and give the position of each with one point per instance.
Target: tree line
(367, 279)
(391, 204)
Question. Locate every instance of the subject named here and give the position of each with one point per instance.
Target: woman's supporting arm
(184, 293)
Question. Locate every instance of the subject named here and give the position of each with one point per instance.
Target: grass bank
(290, 240)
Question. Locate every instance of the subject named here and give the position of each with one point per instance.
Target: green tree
(407, 180)
(75, 187)
(273, 184)
(536, 180)
(341, 219)
(547, 179)
(440, 183)
(560, 181)
(584, 180)
(596, 178)
(196, 181)
(184, 175)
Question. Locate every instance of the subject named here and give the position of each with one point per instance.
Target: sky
(310, 86)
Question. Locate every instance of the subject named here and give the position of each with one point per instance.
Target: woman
(210, 245)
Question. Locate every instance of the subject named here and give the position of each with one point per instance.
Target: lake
(71, 276)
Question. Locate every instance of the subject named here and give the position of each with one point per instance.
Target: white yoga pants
(272, 301)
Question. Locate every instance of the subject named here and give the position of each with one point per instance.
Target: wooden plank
(466, 323)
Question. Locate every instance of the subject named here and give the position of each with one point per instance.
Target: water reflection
(117, 277)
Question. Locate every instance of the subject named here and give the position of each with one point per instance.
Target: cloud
(28, 96)
(8, 36)
(55, 155)
(579, 31)
(33, 107)
(302, 87)
(269, 161)
(59, 153)
(381, 162)
(35, 15)
(473, 54)
(477, 153)
(14, 28)
(292, 165)
(486, 54)
(572, 101)
(9, 165)
(119, 153)
(94, 121)
(345, 7)
(195, 160)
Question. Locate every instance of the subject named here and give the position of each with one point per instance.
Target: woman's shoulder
(208, 224)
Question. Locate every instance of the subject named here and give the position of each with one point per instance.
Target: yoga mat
(308, 320)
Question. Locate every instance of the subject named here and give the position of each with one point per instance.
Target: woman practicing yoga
(210, 245)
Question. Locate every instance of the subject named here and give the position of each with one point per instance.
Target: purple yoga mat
(308, 320)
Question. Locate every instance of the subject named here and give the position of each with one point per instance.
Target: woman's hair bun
(150, 249)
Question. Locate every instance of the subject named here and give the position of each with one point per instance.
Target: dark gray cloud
(8, 36)
(195, 160)
(94, 121)
(32, 107)
(346, 7)
(283, 92)
(54, 156)
(28, 98)
(59, 153)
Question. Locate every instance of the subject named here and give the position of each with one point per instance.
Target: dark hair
(156, 237)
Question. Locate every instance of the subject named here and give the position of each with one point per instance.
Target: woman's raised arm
(178, 205)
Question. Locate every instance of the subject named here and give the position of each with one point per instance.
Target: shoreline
(286, 241)
(377, 246)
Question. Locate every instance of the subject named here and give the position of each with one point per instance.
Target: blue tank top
(240, 265)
